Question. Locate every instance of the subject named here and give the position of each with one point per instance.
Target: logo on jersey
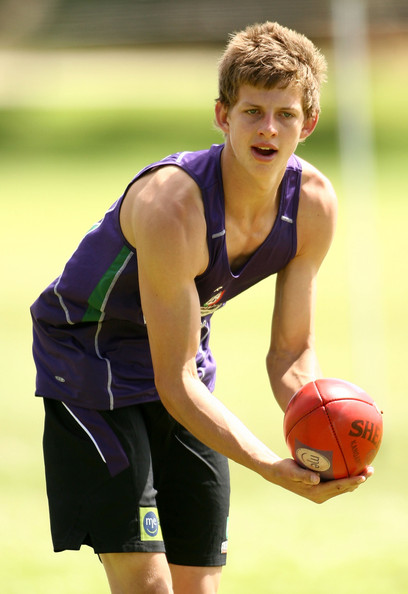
(149, 524)
(214, 303)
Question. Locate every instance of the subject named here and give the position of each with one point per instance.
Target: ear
(221, 116)
(308, 126)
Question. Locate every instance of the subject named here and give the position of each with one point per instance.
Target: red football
(333, 427)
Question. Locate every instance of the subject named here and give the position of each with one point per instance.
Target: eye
(252, 111)
(287, 115)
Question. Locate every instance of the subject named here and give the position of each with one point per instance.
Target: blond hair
(269, 55)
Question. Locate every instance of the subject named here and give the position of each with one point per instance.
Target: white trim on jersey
(86, 431)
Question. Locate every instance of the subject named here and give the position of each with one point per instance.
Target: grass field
(71, 138)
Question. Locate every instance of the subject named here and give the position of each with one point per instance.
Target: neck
(246, 195)
(251, 207)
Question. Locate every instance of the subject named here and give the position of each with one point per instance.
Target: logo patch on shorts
(150, 524)
(224, 545)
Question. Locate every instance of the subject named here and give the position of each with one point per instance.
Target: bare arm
(169, 232)
(292, 359)
(164, 220)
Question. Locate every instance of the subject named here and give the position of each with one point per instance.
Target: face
(264, 127)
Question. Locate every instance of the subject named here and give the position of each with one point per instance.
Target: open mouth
(264, 151)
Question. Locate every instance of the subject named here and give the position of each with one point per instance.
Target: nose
(267, 126)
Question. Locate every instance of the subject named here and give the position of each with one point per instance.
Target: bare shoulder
(317, 208)
(316, 189)
(164, 209)
(167, 194)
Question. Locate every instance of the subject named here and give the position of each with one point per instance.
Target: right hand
(289, 475)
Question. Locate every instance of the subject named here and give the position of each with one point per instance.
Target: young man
(135, 443)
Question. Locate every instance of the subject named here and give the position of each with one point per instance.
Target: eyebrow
(246, 104)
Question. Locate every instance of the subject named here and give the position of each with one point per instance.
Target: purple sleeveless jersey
(90, 341)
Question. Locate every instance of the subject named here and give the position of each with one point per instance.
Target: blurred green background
(76, 123)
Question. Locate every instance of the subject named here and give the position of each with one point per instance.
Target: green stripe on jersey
(97, 297)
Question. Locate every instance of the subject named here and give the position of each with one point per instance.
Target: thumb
(311, 478)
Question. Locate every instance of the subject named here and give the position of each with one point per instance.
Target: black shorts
(134, 480)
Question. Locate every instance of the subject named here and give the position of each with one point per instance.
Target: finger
(368, 471)
(348, 485)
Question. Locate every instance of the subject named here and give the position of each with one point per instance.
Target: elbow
(283, 356)
(173, 390)
(166, 390)
(278, 360)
